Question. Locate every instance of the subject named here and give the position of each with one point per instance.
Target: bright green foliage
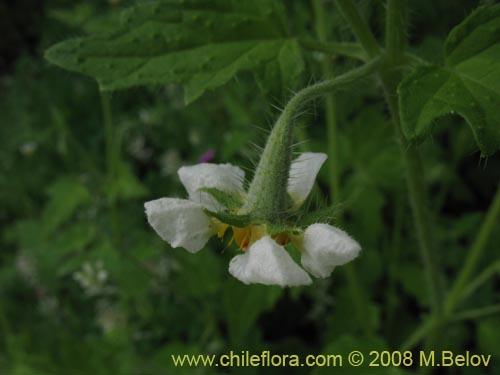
(201, 44)
(468, 84)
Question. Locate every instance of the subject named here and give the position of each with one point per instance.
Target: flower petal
(180, 222)
(224, 177)
(268, 263)
(303, 172)
(326, 247)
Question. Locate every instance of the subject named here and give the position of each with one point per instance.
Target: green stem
(474, 254)
(359, 27)
(418, 334)
(395, 32)
(490, 271)
(478, 313)
(460, 288)
(391, 76)
(331, 118)
(334, 179)
(264, 200)
(419, 208)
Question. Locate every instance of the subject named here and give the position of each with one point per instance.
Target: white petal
(303, 172)
(180, 222)
(268, 263)
(225, 177)
(326, 247)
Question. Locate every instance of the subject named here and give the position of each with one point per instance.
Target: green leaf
(468, 84)
(200, 44)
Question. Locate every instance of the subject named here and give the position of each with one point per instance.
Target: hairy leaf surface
(468, 84)
(198, 43)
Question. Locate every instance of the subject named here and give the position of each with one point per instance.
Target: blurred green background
(87, 287)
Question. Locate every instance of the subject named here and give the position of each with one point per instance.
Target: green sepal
(275, 229)
(240, 221)
(230, 200)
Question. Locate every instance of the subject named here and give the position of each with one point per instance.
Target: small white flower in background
(138, 149)
(189, 223)
(93, 279)
(109, 316)
(28, 148)
(26, 267)
(170, 161)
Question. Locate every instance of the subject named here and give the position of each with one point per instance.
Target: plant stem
(395, 44)
(488, 272)
(359, 27)
(330, 111)
(269, 164)
(334, 178)
(395, 30)
(418, 334)
(460, 288)
(390, 75)
(474, 254)
(478, 313)
(418, 202)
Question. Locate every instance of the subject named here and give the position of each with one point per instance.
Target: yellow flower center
(245, 237)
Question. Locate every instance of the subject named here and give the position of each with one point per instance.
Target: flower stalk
(267, 199)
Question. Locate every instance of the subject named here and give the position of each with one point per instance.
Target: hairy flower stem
(267, 196)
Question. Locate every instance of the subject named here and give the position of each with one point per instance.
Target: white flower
(184, 223)
(266, 262)
(326, 247)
